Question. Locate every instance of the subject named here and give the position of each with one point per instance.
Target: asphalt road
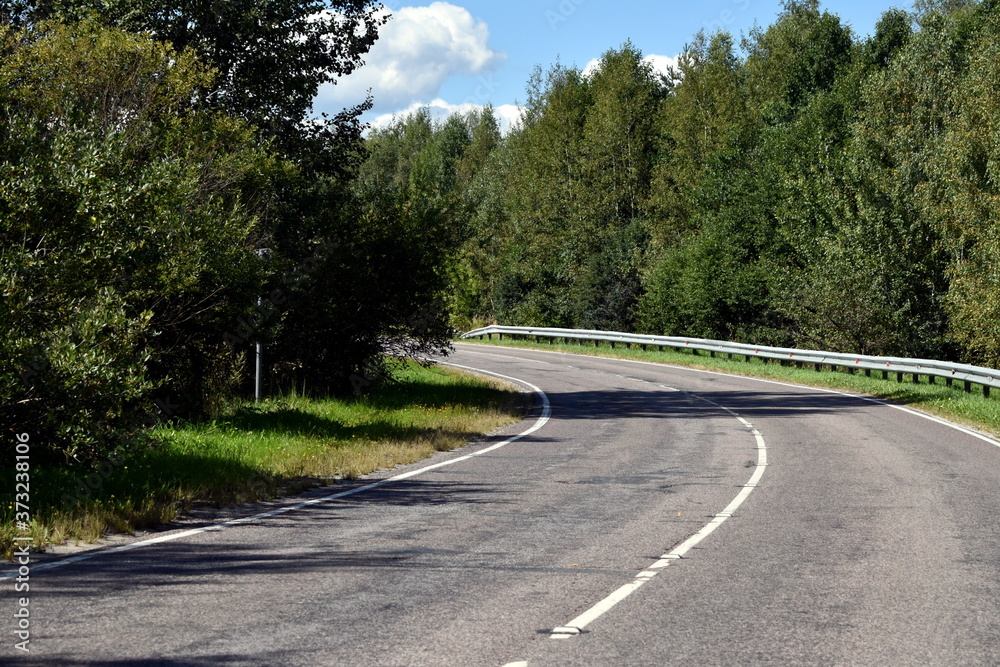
(871, 536)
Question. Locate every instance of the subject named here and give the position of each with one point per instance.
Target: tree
(270, 56)
(797, 56)
(484, 136)
(892, 33)
(617, 159)
(963, 202)
(127, 225)
(480, 262)
(906, 111)
(744, 144)
(546, 202)
(704, 112)
(619, 134)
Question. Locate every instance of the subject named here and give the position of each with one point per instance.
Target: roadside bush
(128, 220)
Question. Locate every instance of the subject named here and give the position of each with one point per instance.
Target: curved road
(659, 516)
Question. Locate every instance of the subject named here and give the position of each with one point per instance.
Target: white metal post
(265, 255)
(260, 355)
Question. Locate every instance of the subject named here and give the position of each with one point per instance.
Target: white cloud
(660, 64)
(416, 52)
(508, 115)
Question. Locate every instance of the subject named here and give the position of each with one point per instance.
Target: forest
(800, 186)
(167, 201)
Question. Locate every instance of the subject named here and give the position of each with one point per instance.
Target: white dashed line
(576, 626)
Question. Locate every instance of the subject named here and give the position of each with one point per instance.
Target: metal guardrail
(986, 377)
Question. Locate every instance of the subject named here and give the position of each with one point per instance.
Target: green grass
(970, 409)
(251, 452)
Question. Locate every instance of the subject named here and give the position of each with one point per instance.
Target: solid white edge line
(539, 423)
(576, 626)
(861, 397)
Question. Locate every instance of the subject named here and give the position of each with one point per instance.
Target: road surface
(654, 516)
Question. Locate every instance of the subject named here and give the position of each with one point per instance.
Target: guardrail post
(819, 368)
(968, 386)
(885, 375)
(916, 378)
(868, 372)
(986, 391)
(930, 379)
(899, 376)
(948, 382)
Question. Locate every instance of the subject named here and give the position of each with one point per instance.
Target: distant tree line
(803, 188)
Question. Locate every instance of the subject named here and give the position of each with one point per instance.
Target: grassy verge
(252, 452)
(970, 409)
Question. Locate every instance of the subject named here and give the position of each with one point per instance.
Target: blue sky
(458, 54)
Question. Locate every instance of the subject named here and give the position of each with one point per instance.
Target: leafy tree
(962, 201)
(556, 211)
(819, 191)
(797, 56)
(484, 137)
(412, 218)
(480, 266)
(704, 112)
(619, 134)
(546, 202)
(892, 33)
(270, 56)
(126, 232)
(746, 202)
(618, 150)
(905, 112)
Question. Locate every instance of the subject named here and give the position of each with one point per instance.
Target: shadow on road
(661, 403)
